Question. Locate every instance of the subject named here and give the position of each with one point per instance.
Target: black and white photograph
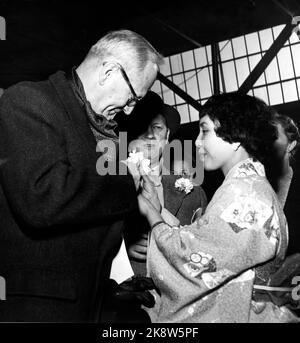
(149, 166)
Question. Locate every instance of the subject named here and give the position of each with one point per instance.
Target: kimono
(206, 272)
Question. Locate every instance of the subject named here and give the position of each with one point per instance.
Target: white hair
(126, 46)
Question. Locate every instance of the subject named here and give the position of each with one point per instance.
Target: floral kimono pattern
(205, 272)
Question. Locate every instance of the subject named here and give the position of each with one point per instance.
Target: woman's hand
(144, 205)
(148, 210)
(150, 193)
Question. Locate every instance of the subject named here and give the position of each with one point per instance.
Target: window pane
(294, 38)
(156, 87)
(191, 84)
(176, 65)
(239, 47)
(204, 83)
(188, 60)
(221, 82)
(266, 39)
(194, 114)
(261, 93)
(229, 76)
(272, 73)
(225, 50)
(252, 43)
(165, 67)
(277, 30)
(285, 64)
(253, 62)
(184, 113)
(242, 69)
(289, 91)
(296, 58)
(168, 95)
(275, 94)
(208, 52)
(298, 84)
(200, 57)
(179, 81)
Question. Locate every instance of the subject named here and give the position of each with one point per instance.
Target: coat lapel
(173, 198)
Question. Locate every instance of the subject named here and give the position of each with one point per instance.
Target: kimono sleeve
(233, 236)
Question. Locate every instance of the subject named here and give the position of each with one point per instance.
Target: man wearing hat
(160, 123)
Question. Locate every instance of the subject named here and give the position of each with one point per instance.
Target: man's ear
(106, 70)
(291, 146)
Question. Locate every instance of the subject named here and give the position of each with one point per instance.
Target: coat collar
(73, 107)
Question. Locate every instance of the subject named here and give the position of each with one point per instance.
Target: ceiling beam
(267, 58)
(177, 90)
(215, 67)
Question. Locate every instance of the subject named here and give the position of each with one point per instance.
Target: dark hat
(144, 112)
(172, 118)
(153, 105)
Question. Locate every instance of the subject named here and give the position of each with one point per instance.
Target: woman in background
(280, 172)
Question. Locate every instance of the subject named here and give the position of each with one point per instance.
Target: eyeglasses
(135, 98)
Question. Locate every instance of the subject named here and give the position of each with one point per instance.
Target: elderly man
(156, 124)
(61, 222)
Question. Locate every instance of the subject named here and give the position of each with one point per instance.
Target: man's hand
(133, 292)
(138, 250)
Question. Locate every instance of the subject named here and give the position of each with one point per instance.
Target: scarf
(101, 127)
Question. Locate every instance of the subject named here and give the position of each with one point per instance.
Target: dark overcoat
(60, 221)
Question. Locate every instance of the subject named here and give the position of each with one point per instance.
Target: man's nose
(128, 109)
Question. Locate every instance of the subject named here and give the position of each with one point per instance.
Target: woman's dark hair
(290, 128)
(243, 119)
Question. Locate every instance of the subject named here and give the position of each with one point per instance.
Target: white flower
(137, 158)
(184, 184)
(145, 164)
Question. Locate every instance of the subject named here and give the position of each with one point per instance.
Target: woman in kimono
(218, 268)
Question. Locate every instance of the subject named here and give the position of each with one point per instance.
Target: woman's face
(281, 144)
(213, 150)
